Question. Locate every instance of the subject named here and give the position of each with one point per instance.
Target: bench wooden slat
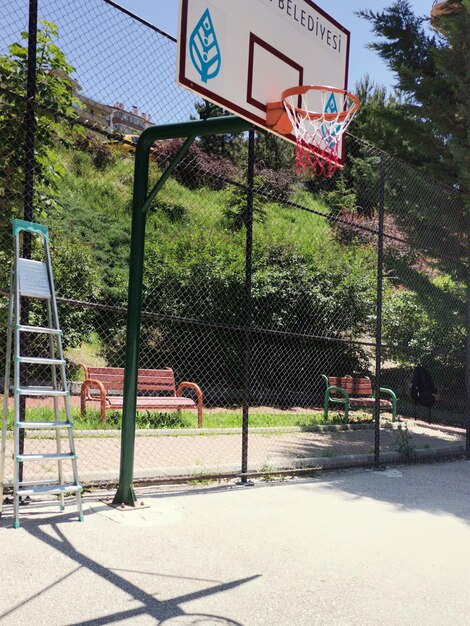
(154, 387)
(148, 380)
(353, 386)
(119, 371)
(368, 402)
(170, 402)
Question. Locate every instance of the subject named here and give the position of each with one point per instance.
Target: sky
(116, 59)
(164, 14)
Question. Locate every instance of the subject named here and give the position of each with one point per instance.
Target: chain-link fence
(254, 301)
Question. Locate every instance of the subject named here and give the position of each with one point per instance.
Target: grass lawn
(212, 418)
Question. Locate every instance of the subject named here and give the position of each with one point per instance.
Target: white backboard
(241, 54)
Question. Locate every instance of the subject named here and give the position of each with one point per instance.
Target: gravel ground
(175, 453)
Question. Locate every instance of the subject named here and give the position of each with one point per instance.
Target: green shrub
(416, 334)
(75, 278)
(173, 211)
(101, 154)
(341, 198)
(235, 210)
(150, 419)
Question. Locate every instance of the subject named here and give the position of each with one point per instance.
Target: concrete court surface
(351, 547)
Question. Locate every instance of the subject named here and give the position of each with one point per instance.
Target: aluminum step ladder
(33, 280)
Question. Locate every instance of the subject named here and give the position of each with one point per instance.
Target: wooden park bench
(106, 385)
(349, 392)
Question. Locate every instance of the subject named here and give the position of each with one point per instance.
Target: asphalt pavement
(344, 548)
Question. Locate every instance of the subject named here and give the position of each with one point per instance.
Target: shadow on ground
(166, 612)
(440, 488)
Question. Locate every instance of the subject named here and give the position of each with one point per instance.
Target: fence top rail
(137, 18)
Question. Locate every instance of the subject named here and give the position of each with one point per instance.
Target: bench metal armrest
(333, 388)
(393, 399)
(389, 392)
(85, 395)
(340, 389)
(85, 370)
(88, 384)
(329, 398)
(197, 389)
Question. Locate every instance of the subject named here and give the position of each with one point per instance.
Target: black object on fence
(423, 391)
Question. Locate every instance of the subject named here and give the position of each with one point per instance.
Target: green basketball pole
(141, 201)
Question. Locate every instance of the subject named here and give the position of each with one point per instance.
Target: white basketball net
(319, 117)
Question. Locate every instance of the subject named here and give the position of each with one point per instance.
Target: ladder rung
(40, 391)
(39, 329)
(56, 456)
(44, 482)
(44, 425)
(34, 360)
(29, 491)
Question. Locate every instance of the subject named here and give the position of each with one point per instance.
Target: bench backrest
(147, 380)
(352, 386)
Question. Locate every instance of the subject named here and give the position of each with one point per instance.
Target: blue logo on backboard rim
(204, 48)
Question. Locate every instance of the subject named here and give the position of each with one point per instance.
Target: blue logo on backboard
(204, 48)
(331, 107)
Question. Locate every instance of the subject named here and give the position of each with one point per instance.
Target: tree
(433, 80)
(235, 211)
(54, 100)
(54, 104)
(426, 320)
(385, 121)
(274, 153)
(341, 198)
(232, 147)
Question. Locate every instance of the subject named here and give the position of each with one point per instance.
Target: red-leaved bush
(197, 169)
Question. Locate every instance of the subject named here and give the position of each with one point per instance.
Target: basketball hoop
(317, 116)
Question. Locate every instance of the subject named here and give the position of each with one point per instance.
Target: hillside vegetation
(304, 280)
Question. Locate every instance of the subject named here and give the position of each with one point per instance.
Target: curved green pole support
(222, 125)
